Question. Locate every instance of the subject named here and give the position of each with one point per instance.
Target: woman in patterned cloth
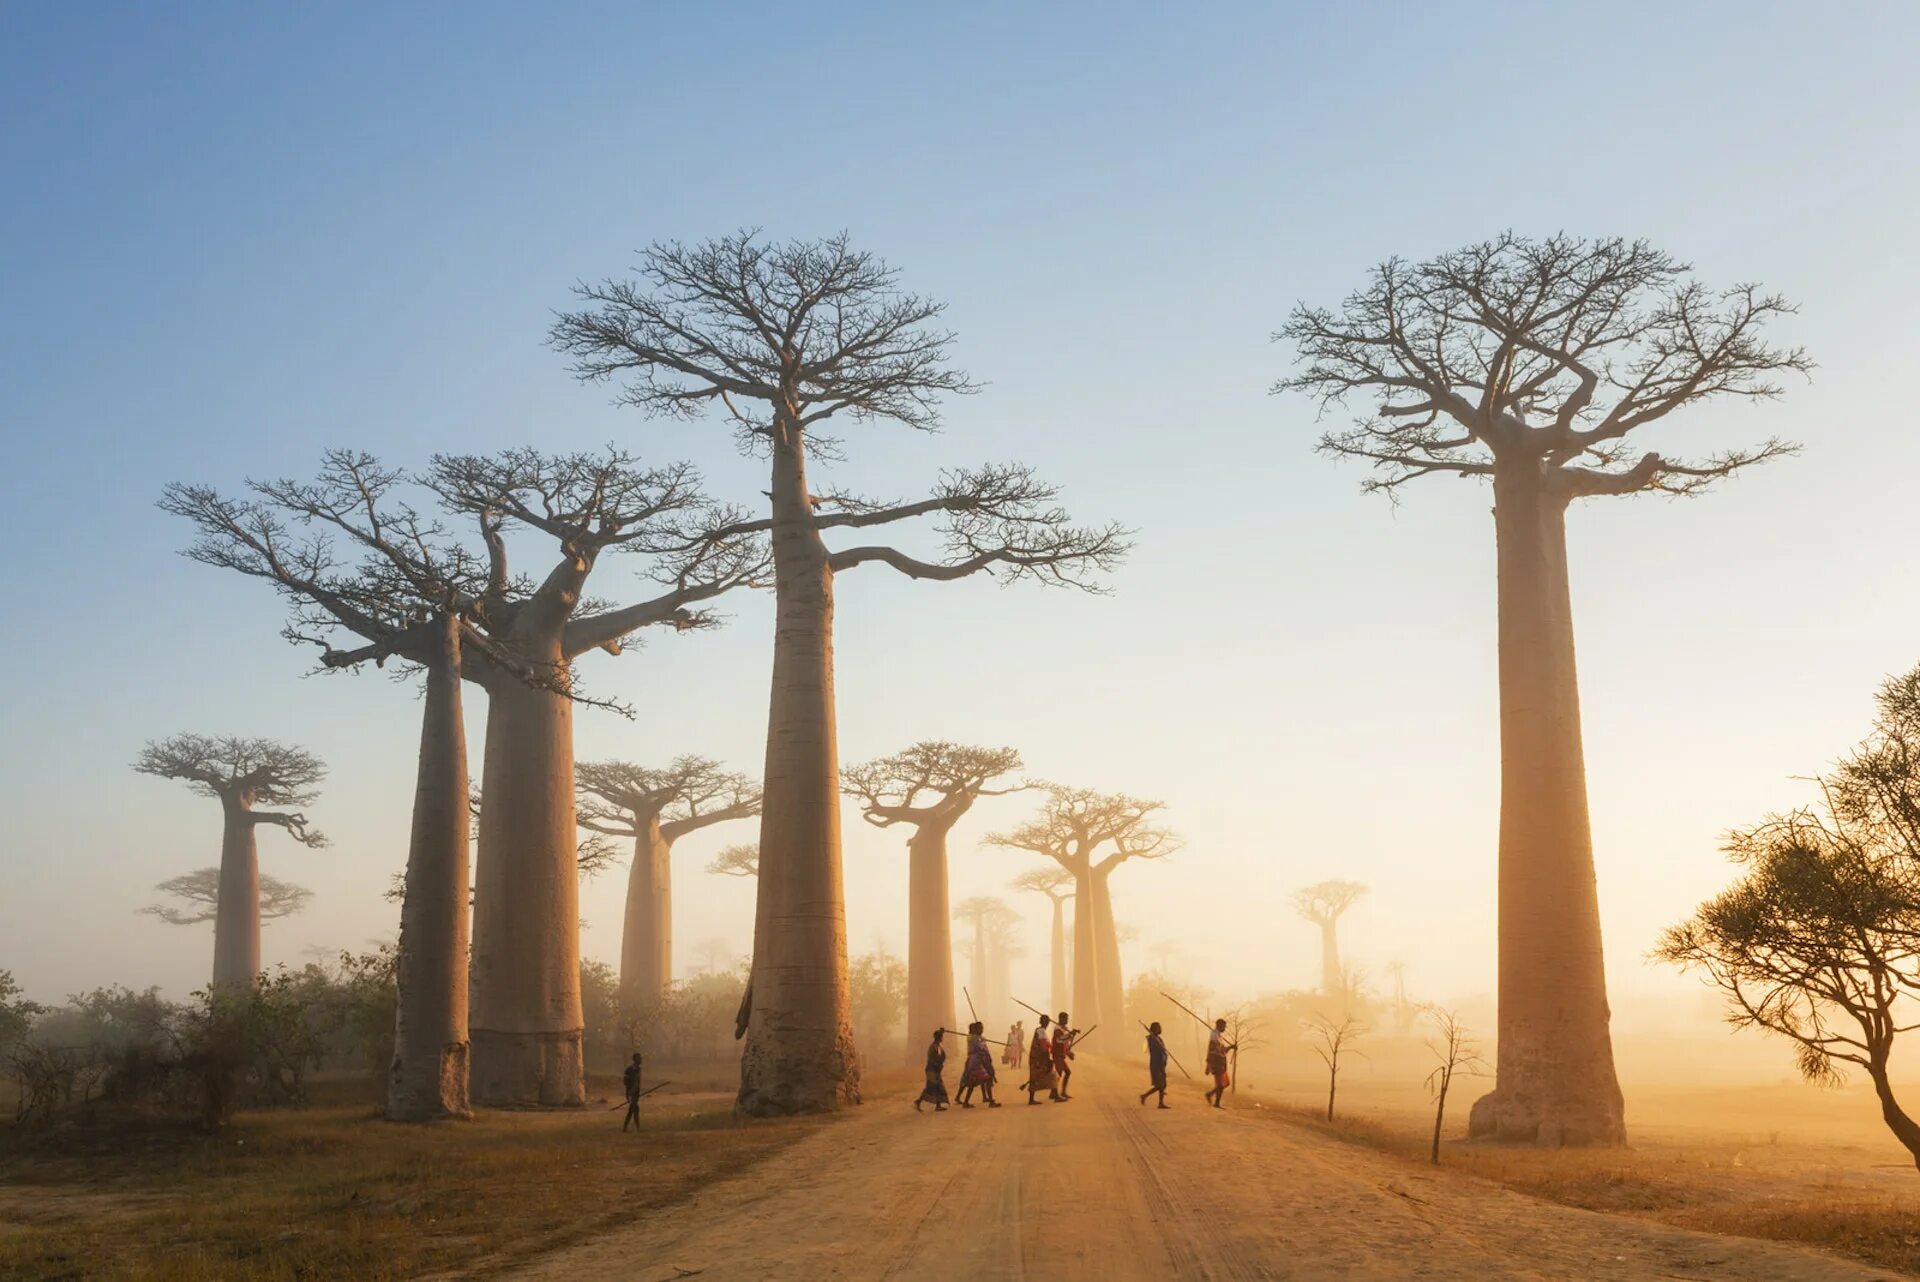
(979, 1067)
(935, 1091)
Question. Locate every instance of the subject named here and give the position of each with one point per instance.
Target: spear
(969, 996)
(1074, 1039)
(1035, 1010)
(957, 1033)
(1183, 1006)
(642, 1095)
(1169, 1050)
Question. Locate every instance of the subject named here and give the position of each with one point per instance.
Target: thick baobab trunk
(929, 940)
(799, 1056)
(428, 1079)
(1058, 993)
(646, 936)
(1332, 982)
(236, 914)
(1555, 1081)
(1111, 1008)
(1086, 970)
(527, 1020)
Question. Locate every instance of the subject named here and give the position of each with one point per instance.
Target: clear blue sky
(233, 235)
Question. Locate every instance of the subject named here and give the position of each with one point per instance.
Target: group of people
(1049, 1064)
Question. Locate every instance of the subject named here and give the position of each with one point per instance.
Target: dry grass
(1783, 1162)
(331, 1192)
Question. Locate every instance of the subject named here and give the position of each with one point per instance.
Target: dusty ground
(1101, 1188)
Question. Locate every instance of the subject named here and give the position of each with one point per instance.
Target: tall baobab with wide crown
(1072, 829)
(1057, 885)
(527, 1019)
(241, 774)
(1529, 364)
(929, 786)
(656, 808)
(784, 338)
(1323, 904)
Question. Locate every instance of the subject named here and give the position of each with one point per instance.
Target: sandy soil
(1101, 1188)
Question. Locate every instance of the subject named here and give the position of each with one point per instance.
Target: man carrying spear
(1040, 1065)
(1062, 1053)
(978, 1072)
(1218, 1048)
(1156, 1065)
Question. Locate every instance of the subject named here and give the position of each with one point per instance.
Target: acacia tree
(656, 808)
(419, 597)
(784, 338)
(1057, 885)
(929, 786)
(241, 774)
(527, 1017)
(1529, 364)
(199, 890)
(1323, 904)
(1819, 940)
(1332, 1040)
(1071, 829)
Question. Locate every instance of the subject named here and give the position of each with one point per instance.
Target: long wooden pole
(1169, 1050)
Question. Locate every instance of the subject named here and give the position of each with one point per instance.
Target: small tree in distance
(1457, 1053)
(1331, 1041)
(242, 774)
(200, 890)
(739, 860)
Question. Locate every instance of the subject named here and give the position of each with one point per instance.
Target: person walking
(1218, 1048)
(1040, 1065)
(631, 1079)
(935, 1091)
(1156, 1065)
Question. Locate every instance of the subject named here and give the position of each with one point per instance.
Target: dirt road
(1099, 1188)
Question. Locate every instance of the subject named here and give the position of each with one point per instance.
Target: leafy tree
(200, 891)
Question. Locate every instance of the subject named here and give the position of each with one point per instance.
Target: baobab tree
(527, 1019)
(1072, 829)
(1528, 364)
(1323, 904)
(1057, 885)
(784, 338)
(417, 596)
(929, 786)
(990, 923)
(241, 774)
(199, 890)
(655, 808)
(739, 860)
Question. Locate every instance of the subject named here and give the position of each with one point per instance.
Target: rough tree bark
(1554, 1057)
(236, 920)
(799, 1055)
(428, 1079)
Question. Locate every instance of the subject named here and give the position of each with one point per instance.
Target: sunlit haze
(232, 243)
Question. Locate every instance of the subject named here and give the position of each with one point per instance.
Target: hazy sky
(235, 235)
